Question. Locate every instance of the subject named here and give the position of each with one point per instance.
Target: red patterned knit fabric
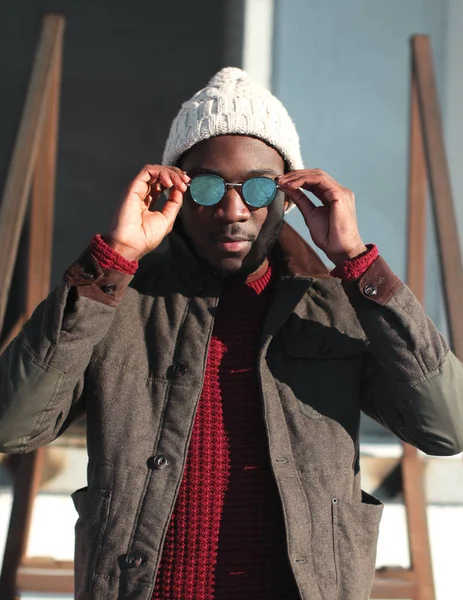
(226, 538)
(108, 258)
(353, 269)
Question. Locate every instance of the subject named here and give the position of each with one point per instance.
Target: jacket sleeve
(411, 382)
(42, 370)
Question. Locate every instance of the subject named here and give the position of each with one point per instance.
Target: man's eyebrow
(260, 172)
(251, 173)
(202, 171)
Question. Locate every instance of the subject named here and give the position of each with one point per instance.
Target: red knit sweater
(226, 538)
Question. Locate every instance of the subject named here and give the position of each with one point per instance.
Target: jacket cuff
(350, 270)
(109, 258)
(91, 280)
(377, 284)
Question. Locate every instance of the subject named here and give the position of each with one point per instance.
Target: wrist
(340, 258)
(109, 258)
(125, 251)
(352, 269)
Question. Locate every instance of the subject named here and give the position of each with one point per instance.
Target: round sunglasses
(208, 190)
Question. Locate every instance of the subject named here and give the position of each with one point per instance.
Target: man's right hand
(135, 230)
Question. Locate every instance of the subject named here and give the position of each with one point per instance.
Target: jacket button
(370, 290)
(109, 288)
(86, 275)
(134, 559)
(324, 350)
(159, 462)
(179, 369)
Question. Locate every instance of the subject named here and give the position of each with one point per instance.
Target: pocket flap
(79, 498)
(84, 497)
(369, 499)
(312, 340)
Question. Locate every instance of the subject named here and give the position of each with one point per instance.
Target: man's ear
(288, 204)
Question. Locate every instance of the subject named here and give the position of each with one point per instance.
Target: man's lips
(231, 243)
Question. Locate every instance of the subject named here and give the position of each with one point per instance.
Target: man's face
(232, 236)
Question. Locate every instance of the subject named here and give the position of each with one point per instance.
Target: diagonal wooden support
(26, 150)
(27, 481)
(416, 583)
(440, 188)
(33, 162)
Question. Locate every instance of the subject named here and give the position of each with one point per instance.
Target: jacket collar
(292, 254)
(296, 256)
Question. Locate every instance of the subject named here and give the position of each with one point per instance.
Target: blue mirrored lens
(207, 190)
(259, 191)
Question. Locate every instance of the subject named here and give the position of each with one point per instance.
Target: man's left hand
(333, 226)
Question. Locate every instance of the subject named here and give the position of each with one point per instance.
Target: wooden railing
(428, 172)
(30, 185)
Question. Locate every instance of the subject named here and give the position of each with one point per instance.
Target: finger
(149, 191)
(151, 179)
(149, 173)
(138, 191)
(170, 178)
(165, 178)
(142, 184)
(155, 190)
(157, 187)
(178, 181)
(304, 204)
(172, 207)
(314, 177)
(304, 173)
(185, 177)
(325, 188)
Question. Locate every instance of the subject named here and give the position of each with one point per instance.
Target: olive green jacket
(133, 359)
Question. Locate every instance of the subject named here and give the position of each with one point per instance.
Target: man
(223, 388)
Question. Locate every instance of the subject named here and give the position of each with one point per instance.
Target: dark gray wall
(127, 68)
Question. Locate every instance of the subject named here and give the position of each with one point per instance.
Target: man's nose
(232, 208)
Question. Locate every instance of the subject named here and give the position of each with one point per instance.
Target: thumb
(168, 212)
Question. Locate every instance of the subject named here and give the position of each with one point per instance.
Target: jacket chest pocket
(323, 371)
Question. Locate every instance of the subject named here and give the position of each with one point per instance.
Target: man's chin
(227, 267)
(236, 267)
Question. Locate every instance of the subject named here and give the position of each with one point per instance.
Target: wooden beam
(441, 193)
(13, 333)
(394, 588)
(39, 126)
(14, 201)
(46, 576)
(43, 194)
(415, 502)
(49, 582)
(412, 466)
(397, 573)
(27, 481)
(417, 188)
(415, 583)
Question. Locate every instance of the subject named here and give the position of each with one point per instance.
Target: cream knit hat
(232, 103)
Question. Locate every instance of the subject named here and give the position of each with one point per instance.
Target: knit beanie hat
(232, 103)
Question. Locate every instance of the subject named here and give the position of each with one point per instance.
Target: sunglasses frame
(229, 185)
